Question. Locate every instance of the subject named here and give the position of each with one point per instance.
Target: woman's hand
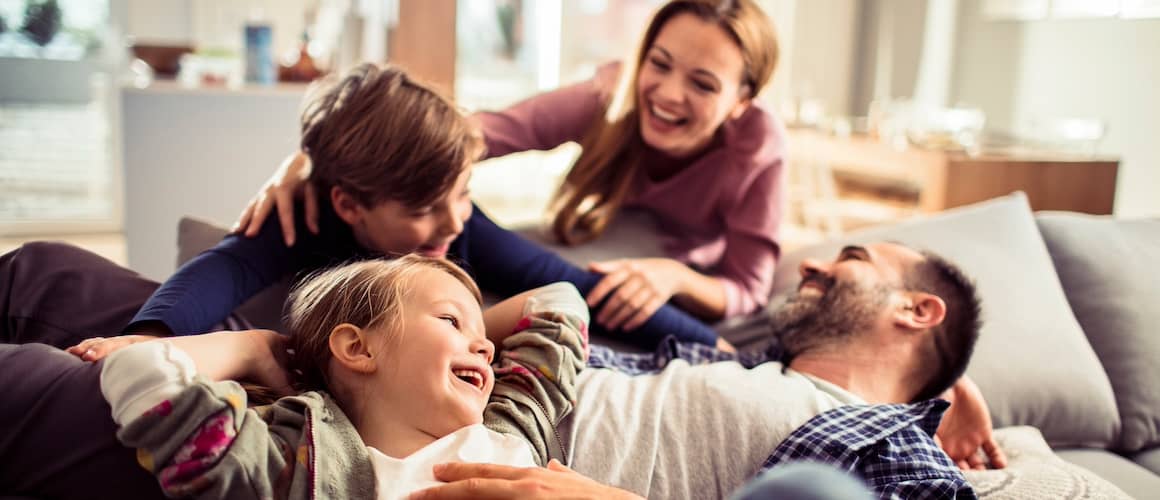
(501, 481)
(635, 289)
(966, 429)
(96, 348)
(288, 182)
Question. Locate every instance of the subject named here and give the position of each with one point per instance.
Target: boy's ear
(920, 311)
(347, 208)
(348, 347)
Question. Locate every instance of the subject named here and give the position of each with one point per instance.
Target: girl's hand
(635, 288)
(252, 355)
(96, 348)
(290, 181)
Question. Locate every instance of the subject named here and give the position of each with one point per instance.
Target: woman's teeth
(671, 118)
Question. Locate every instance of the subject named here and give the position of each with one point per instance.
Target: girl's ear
(348, 347)
(347, 208)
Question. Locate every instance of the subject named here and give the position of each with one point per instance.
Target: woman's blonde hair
(596, 186)
(378, 134)
(367, 294)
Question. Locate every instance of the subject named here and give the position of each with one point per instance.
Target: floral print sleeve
(197, 436)
(536, 372)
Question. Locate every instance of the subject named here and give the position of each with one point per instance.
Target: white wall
(202, 153)
(1099, 68)
(823, 51)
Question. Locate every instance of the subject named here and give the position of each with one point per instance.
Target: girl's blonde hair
(380, 135)
(596, 186)
(367, 294)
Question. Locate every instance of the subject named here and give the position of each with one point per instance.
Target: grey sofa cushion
(1032, 362)
(263, 310)
(1133, 479)
(1034, 472)
(1149, 459)
(1109, 272)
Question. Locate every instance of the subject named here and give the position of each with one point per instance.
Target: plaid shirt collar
(891, 447)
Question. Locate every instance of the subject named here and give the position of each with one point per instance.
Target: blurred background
(117, 117)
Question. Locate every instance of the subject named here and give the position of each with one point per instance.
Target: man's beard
(843, 311)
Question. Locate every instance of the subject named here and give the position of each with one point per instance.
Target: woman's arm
(544, 121)
(505, 263)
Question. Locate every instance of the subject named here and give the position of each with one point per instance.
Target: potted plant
(41, 21)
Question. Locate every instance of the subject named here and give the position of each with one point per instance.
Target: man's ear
(920, 311)
(347, 208)
(348, 347)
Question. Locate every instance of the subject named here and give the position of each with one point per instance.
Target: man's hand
(288, 182)
(96, 348)
(489, 481)
(966, 428)
(635, 288)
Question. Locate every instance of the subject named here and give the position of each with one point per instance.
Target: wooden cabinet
(945, 179)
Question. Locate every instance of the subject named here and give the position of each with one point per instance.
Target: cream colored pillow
(1035, 472)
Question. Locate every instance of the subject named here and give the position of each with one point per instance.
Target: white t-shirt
(396, 478)
(690, 431)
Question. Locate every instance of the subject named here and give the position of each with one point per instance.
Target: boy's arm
(196, 435)
(536, 373)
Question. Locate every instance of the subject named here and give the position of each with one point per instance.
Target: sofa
(1068, 358)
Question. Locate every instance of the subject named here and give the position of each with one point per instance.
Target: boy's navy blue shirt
(206, 289)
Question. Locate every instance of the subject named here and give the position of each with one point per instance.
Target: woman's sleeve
(196, 436)
(535, 377)
(541, 122)
(506, 263)
(206, 289)
(751, 249)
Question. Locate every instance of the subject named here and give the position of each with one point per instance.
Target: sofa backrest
(1110, 270)
(1032, 362)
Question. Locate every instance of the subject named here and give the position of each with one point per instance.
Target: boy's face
(392, 228)
(441, 370)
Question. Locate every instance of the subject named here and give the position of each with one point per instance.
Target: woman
(682, 125)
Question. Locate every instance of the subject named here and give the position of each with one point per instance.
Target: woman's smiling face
(689, 83)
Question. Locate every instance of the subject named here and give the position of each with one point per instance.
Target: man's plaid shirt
(891, 447)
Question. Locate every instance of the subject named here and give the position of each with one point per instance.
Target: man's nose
(810, 267)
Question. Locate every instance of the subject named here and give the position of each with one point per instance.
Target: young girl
(398, 367)
(682, 125)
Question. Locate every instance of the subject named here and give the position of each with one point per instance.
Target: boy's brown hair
(377, 134)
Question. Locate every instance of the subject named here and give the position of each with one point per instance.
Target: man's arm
(966, 429)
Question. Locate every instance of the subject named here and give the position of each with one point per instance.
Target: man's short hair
(954, 339)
